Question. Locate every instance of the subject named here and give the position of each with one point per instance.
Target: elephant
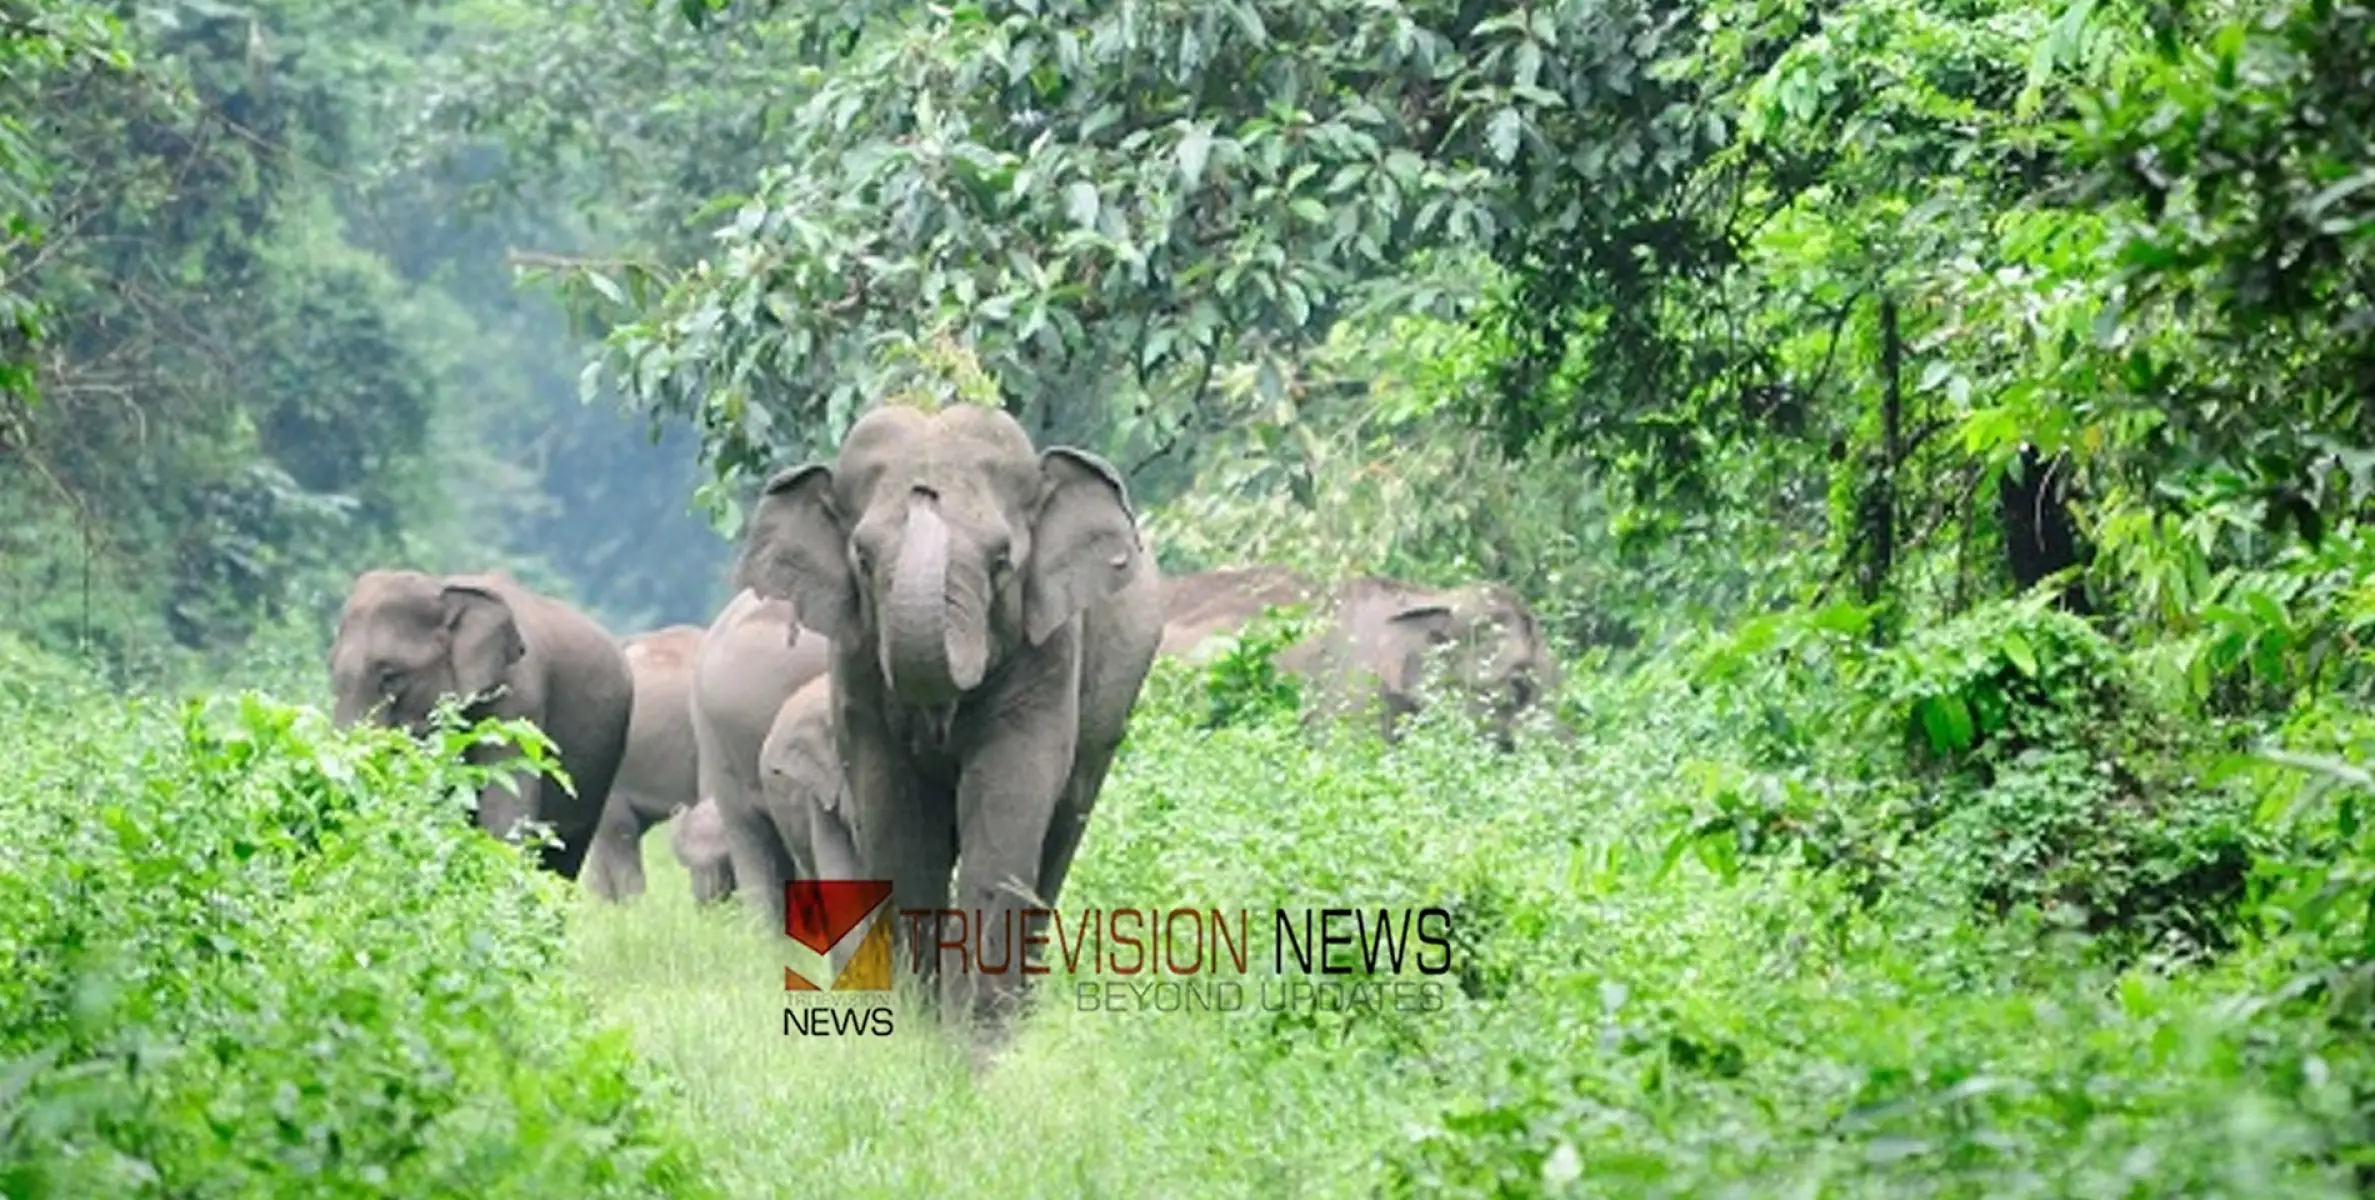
(807, 795)
(659, 774)
(699, 839)
(1199, 606)
(1382, 631)
(751, 661)
(994, 612)
(1371, 640)
(405, 639)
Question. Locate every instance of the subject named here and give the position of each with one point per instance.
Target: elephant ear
(1418, 629)
(482, 637)
(797, 550)
(1084, 540)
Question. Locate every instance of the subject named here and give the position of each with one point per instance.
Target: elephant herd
(935, 646)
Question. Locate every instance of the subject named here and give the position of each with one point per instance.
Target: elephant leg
(501, 812)
(714, 882)
(617, 858)
(500, 809)
(902, 836)
(759, 861)
(1006, 800)
(1071, 819)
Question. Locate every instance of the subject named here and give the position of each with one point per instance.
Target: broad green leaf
(2023, 656)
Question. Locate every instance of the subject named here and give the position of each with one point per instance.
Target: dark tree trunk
(1878, 515)
(2039, 536)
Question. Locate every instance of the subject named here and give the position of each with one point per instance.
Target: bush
(2002, 762)
(253, 956)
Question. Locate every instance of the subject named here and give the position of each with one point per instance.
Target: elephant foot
(613, 886)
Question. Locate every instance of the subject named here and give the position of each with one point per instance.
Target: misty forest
(1917, 460)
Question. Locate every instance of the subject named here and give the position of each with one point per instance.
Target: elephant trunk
(917, 661)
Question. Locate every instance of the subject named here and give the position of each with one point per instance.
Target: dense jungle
(1927, 449)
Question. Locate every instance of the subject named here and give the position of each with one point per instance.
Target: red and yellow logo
(844, 925)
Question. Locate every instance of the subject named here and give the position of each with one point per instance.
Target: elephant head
(807, 794)
(941, 544)
(406, 639)
(1493, 647)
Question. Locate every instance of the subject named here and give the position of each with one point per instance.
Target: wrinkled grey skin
(405, 639)
(750, 663)
(658, 774)
(1373, 640)
(699, 839)
(1201, 607)
(993, 612)
(807, 795)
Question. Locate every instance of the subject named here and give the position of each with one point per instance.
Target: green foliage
(2004, 762)
(2238, 139)
(252, 956)
(1722, 332)
(1243, 683)
(2005, 678)
(1613, 1026)
(1373, 471)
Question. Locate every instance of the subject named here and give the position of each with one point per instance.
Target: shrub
(254, 956)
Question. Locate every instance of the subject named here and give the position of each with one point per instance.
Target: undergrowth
(253, 957)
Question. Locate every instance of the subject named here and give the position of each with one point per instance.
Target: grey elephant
(406, 639)
(751, 661)
(698, 839)
(807, 794)
(1373, 638)
(1383, 632)
(1204, 605)
(994, 613)
(658, 775)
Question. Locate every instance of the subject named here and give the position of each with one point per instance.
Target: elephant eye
(390, 679)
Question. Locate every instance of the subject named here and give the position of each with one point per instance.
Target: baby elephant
(801, 828)
(699, 839)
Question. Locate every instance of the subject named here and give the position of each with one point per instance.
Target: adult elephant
(407, 639)
(993, 612)
(1203, 605)
(807, 795)
(659, 774)
(751, 661)
(699, 840)
(1385, 634)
